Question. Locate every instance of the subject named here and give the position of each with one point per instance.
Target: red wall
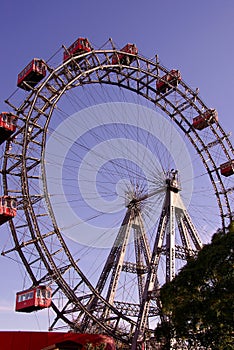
(39, 340)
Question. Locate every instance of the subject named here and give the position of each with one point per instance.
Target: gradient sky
(196, 37)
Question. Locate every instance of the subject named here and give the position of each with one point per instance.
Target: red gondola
(7, 125)
(201, 121)
(81, 45)
(122, 57)
(7, 208)
(173, 78)
(32, 74)
(33, 299)
(227, 169)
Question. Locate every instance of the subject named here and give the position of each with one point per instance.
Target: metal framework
(85, 306)
(173, 212)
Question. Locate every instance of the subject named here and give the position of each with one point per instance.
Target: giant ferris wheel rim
(139, 77)
(119, 70)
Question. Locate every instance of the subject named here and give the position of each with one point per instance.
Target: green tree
(199, 301)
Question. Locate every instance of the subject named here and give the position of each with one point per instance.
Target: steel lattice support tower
(174, 214)
(174, 222)
(116, 264)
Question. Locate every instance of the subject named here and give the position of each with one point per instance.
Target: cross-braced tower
(175, 225)
(175, 239)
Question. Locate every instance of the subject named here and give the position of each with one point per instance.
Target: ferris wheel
(120, 173)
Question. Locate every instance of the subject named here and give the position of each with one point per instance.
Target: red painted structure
(8, 208)
(173, 78)
(122, 57)
(81, 45)
(201, 121)
(7, 125)
(227, 169)
(54, 340)
(33, 299)
(32, 74)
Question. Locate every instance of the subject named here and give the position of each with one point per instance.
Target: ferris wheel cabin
(7, 208)
(81, 45)
(227, 169)
(168, 81)
(7, 125)
(201, 121)
(32, 74)
(122, 58)
(34, 299)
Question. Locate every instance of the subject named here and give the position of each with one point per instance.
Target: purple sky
(193, 36)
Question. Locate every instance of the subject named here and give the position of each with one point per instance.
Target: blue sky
(193, 36)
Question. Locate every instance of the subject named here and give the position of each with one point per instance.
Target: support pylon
(173, 214)
(116, 263)
(176, 238)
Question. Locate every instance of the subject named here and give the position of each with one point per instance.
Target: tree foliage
(199, 301)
